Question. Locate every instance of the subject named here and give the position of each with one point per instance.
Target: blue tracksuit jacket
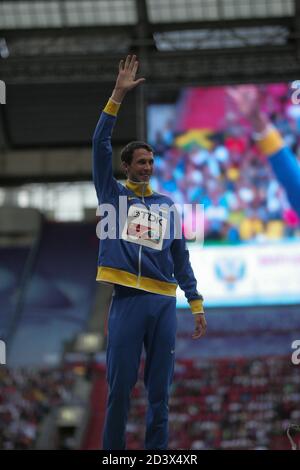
(284, 165)
(154, 264)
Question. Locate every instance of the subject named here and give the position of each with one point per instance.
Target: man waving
(145, 261)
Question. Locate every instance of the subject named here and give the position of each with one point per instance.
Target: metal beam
(220, 24)
(160, 67)
(68, 31)
(145, 43)
(150, 27)
(144, 28)
(297, 28)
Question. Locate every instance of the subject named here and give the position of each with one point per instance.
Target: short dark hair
(127, 151)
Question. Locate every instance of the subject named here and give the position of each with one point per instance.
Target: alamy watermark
(151, 224)
(2, 92)
(296, 354)
(2, 353)
(295, 85)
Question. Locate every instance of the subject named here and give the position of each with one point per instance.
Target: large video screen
(205, 154)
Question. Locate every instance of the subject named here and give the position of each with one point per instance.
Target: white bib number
(144, 227)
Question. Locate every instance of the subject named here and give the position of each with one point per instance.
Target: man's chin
(144, 179)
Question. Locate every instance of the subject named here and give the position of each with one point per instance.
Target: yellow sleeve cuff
(196, 306)
(271, 143)
(112, 107)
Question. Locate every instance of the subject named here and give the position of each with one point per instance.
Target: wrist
(112, 107)
(118, 94)
(259, 122)
(196, 305)
(263, 133)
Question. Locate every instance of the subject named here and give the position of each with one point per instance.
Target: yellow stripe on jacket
(112, 107)
(124, 278)
(271, 143)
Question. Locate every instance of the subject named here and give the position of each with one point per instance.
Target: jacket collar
(140, 189)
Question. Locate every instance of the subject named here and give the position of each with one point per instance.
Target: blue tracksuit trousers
(139, 318)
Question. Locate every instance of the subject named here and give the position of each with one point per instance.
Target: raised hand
(247, 99)
(126, 78)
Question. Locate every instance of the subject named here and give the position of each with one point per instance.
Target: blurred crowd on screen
(224, 170)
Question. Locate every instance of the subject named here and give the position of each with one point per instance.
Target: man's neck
(140, 188)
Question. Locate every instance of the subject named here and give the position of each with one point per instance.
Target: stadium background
(234, 389)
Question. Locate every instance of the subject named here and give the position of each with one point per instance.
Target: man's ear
(124, 167)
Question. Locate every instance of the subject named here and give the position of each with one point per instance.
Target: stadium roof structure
(56, 13)
(179, 41)
(59, 59)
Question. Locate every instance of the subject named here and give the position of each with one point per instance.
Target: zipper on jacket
(140, 249)
(140, 266)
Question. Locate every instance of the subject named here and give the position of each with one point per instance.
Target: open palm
(246, 98)
(127, 72)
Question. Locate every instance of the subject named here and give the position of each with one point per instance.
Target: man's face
(141, 167)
